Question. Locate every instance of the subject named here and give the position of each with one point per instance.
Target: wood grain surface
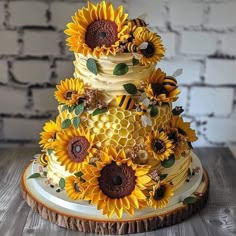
(218, 218)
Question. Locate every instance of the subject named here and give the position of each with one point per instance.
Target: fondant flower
(183, 128)
(48, 136)
(150, 46)
(157, 90)
(69, 91)
(74, 188)
(116, 184)
(74, 148)
(158, 145)
(97, 29)
(160, 195)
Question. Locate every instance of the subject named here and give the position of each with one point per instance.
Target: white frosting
(105, 81)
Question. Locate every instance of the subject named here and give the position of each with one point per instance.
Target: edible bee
(125, 102)
(169, 83)
(43, 159)
(131, 47)
(142, 111)
(138, 22)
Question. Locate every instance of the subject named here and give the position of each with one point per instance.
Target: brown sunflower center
(76, 187)
(159, 193)
(101, 32)
(158, 146)
(158, 89)
(68, 94)
(117, 181)
(78, 148)
(149, 51)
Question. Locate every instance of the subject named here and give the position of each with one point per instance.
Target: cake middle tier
(105, 80)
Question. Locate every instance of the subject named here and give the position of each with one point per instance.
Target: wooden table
(217, 218)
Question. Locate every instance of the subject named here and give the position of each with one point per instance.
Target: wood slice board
(156, 220)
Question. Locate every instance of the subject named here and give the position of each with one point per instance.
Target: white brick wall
(44, 100)
(220, 72)
(205, 101)
(199, 36)
(203, 43)
(27, 13)
(40, 43)
(8, 42)
(186, 13)
(4, 72)
(12, 100)
(31, 71)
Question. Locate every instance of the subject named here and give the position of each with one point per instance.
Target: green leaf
(170, 162)
(62, 183)
(135, 61)
(121, 69)
(79, 109)
(130, 88)
(189, 200)
(163, 176)
(50, 151)
(92, 66)
(154, 111)
(66, 124)
(99, 111)
(35, 175)
(78, 174)
(65, 107)
(71, 108)
(76, 122)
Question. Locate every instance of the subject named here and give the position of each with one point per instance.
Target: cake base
(58, 213)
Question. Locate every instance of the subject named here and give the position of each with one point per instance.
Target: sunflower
(74, 148)
(69, 91)
(160, 195)
(183, 128)
(158, 145)
(116, 184)
(74, 188)
(150, 46)
(97, 29)
(156, 89)
(48, 136)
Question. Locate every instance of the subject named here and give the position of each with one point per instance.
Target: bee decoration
(177, 110)
(138, 22)
(43, 159)
(125, 102)
(142, 109)
(170, 82)
(131, 47)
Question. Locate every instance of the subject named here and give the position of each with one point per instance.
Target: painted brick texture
(199, 36)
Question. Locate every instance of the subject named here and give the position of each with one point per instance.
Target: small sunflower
(48, 136)
(150, 46)
(74, 148)
(160, 195)
(156, 89)
(97, 29)
(116, 184)
(74, 187)
(69, 91)
(158, 145)
(183, 128)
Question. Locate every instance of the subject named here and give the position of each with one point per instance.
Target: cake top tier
(102, 30)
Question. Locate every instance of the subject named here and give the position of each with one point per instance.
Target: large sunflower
(158, 145)
(156, 89)
(74, 148)
(150, 46)
(160, 195)
(69, 91)
(116, 184)
(74, 188)
(48, 136)
(97, 29)
(183, 128)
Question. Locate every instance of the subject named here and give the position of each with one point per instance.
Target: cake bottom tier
(81, 216)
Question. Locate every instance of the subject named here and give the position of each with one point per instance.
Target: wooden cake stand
(54, 208)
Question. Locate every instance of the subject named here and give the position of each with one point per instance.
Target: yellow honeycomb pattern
(122, 127)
